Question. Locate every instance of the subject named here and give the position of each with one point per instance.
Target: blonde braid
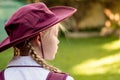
(16, 51)
(40, 60)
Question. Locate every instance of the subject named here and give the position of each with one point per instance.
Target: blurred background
(90, 44)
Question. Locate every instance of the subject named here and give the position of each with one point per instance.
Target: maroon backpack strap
(2, 75)
(57, 76)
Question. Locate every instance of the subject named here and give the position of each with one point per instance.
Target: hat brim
(62, 12)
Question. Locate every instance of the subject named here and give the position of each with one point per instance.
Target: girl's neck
(24, 52)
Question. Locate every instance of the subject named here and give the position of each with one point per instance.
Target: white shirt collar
(23, 60)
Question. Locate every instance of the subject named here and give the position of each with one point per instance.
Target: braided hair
(31, 51)
(40, 60)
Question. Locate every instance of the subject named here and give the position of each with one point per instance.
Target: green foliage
(7, 8)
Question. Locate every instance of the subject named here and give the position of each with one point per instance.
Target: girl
(32, 32)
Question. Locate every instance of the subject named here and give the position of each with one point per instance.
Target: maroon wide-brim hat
(31, 19)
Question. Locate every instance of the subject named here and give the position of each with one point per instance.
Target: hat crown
(31, 19)
(25, 20)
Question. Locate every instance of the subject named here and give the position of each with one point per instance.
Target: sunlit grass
(104, 65)
(112, 45)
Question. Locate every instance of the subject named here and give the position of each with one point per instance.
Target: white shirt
(26, 73)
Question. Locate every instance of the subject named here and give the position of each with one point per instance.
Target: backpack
(51, 76)
(57, 76)
(2, 75)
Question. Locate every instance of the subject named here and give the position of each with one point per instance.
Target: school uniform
(25, 68)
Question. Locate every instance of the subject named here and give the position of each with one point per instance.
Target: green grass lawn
(90, 58)
(85, 58)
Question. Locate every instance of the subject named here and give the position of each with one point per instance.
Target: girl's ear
(38, 38)
(35, 41)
